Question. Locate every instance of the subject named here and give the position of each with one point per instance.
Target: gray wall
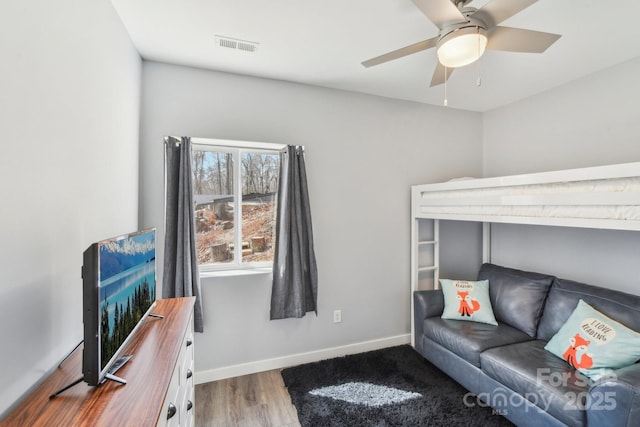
(363, 153)
(589, 122)
(69, 114)
(605, 258)
(592, 121)
(460, 246)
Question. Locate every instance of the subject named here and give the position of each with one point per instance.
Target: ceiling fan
(465, 33)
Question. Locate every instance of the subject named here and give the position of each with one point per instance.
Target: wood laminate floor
(256, 400)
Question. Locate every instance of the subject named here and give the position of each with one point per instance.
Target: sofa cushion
(595, 344)
(469, 339)
(467, 300)
(543, 379)
(517, 296)
(563, 299)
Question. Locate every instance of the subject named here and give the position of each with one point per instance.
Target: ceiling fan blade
(440, 12)
(399, 53)
(519, 40)
(497, 11)
(440, 74)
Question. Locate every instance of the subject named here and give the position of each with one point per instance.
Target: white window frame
(236, 148)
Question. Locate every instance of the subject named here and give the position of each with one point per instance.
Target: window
(234, 191)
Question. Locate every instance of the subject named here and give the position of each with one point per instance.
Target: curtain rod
(176, 141)
(233, 143)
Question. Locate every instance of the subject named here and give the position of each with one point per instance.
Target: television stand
(69, 354)
(119, 363)
(114, 378)
(68, 386)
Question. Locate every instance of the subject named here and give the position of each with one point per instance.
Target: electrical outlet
(337, 316)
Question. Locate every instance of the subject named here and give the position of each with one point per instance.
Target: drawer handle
(189, 405)
(189, 342)
(189, 373)
(172, 411)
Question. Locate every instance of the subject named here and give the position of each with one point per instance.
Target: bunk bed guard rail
(605, 197)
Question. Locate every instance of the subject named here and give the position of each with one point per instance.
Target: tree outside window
(234, 192)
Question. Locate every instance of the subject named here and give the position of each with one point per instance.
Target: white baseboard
(298, 359)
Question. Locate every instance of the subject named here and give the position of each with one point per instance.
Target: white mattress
(610, 202)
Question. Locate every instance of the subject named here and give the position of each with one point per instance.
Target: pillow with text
(593, 343)
(467, 300)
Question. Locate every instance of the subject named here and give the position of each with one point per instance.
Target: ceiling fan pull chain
(445, 86)
(479, 81)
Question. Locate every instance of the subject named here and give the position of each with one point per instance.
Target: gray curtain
(295, 273)
(180, 277)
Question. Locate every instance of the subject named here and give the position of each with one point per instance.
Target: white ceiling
(323, 42)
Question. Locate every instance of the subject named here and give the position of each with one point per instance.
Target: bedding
(601, 197)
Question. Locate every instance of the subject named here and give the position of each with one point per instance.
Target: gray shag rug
(389, 387)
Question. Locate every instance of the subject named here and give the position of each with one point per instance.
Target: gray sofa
(506, 366)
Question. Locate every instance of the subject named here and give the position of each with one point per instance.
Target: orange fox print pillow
(467, 300)
(593, 343)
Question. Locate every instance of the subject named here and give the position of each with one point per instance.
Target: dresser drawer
(179, 404)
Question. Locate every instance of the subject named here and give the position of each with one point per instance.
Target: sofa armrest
(615, 399)
(425, 304)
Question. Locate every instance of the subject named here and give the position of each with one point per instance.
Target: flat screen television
(119, 291)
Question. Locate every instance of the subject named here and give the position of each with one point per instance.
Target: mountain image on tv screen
(127, 288)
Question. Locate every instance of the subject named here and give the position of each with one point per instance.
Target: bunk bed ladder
(425, 258)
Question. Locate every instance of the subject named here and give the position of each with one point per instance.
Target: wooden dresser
(159, 381)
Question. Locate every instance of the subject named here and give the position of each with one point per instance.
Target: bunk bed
(603, 197)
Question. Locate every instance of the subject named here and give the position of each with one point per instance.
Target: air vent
(230, 43)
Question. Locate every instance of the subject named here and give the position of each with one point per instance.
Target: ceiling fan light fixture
(462, 46)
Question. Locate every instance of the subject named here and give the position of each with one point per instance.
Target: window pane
(213, 198)
(259, 187)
